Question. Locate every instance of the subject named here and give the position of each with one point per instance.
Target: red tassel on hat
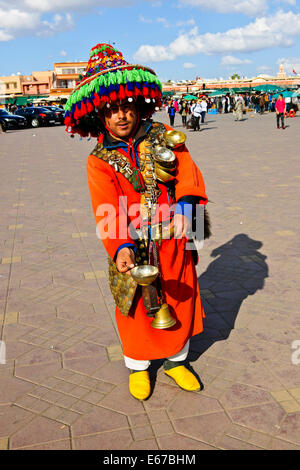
(76, 113)
(121, 93)
(129, 93)
(136, 91)
(96, 100)
(89, 106)
(113, 96)
(68, 121)
(83, 110)
(145, 92)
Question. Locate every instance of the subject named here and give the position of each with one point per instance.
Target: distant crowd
(193, 111)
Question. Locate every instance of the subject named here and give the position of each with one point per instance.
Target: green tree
(235, 76)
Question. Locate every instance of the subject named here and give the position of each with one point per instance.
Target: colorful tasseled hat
(109, 78)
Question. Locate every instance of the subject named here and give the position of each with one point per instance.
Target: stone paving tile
(40, 430)
(265, 418)
(99, 420)
(105, 441)
(208, 428)
(12, 388)
(13, 418)
(179, 442)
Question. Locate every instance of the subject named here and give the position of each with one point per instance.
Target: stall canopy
(167, 93)
(22, 100)
(287, 94)
(269, 88)
(190, 97)
(220, 92)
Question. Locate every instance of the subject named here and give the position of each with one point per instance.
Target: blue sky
(179, 39)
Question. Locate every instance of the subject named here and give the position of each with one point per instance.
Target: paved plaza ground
(64, 384)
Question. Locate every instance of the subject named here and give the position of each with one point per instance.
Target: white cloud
(249, 7)
(5, 36)
(153, 54)
(278, 30)
(16, 23)
(263, 68)
(231, 60)
(189, 65)
(164, 22)
(19, 17)
(145, 20)
(14, 19)
(190, 22)
(67, 5)
(60, 23)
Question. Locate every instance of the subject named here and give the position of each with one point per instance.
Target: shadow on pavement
(239, 270)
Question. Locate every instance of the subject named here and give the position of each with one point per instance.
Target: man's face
(121, 119)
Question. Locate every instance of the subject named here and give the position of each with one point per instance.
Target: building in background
(66, 74)
(50, 85)
(39, 83)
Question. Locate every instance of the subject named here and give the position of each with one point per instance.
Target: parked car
(11, 121)
(60, 114)
(38, 116)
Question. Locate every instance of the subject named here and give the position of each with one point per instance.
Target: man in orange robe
(118, 182)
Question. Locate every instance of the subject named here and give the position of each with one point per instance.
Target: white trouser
(134, 364)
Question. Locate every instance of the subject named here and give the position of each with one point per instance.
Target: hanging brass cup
(144, 275)
(164, 175)
(174, 139)
(164, 156)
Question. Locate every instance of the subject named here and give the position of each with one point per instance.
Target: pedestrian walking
(184, 111)
(129, 163)
(172, 112)
(280, 110)
(196, 114)
(262, 103)
(238, 108)
(203, 105)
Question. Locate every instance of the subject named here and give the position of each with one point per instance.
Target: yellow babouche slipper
(139, 385)
(184, 378)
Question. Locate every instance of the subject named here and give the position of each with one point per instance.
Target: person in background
(176, 106)
(262, 103)
(270, 103)
(238, 108)
(203, 105)
(184, 111)
(172, 112)
(196, 114)
(280, 110)
(266, 102)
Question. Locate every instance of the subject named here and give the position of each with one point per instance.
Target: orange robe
(140, 340)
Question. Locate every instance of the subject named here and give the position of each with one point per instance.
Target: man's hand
(181, 225)
(125, 260)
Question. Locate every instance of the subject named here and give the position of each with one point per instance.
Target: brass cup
(144, 275)
(164, 156)
(174, 139)
(163, 175)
